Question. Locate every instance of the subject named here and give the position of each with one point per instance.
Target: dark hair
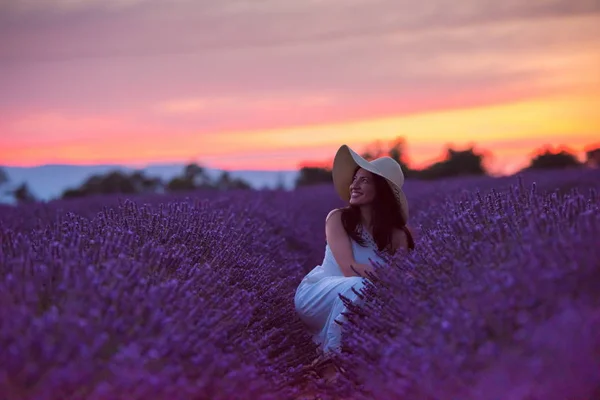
(385, 216)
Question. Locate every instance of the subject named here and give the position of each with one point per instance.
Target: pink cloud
(102, 70)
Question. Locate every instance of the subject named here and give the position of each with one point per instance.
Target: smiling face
(362, 188)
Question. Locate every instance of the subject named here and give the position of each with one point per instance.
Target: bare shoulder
(333, 224)
(339, 242)
(334, 215)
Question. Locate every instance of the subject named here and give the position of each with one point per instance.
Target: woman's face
(362, 188)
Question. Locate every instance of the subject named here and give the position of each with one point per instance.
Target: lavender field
(191, 296)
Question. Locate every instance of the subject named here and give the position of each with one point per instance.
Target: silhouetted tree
(456, 163)
(23, 194)
(197, 175)
(145, 184)
(374, 150)
(313, 175)
(4, 181)
(193, 177)
(553, 159)
(179, 183)
(115, 182)
(395, 149)
(20, 193)
(226, 182)
(592, 157)
(3, 177)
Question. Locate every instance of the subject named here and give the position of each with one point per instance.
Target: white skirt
(319, 306)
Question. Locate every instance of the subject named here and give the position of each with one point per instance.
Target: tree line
(455, 163)
(194, 176)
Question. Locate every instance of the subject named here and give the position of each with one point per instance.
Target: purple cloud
(133, 57)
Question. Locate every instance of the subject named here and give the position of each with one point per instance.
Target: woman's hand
(341, 247)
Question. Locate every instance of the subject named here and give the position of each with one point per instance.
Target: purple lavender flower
(191, 296)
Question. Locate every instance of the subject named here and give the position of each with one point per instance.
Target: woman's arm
(339, 243)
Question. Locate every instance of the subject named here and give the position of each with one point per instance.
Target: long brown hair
(385, 216)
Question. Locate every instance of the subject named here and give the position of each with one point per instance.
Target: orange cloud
(509, 131)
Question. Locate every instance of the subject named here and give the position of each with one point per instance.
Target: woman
(373, 224)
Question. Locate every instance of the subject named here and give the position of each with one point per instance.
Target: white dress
(317, 302)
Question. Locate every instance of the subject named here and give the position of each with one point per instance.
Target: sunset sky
(269, 84)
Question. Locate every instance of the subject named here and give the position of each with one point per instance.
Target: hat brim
(345, 163)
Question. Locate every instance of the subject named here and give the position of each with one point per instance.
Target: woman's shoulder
(336, 213)
(334, 226)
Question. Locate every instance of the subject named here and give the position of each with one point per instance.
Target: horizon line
(308, 162)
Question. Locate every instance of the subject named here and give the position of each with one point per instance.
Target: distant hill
(47, 182)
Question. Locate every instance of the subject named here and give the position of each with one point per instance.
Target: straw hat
(345, 163)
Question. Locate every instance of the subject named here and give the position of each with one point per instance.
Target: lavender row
(191, 295)
(180, 300)
(500, 301)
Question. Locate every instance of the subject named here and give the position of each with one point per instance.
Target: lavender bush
(500, 301)
(191, 296)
